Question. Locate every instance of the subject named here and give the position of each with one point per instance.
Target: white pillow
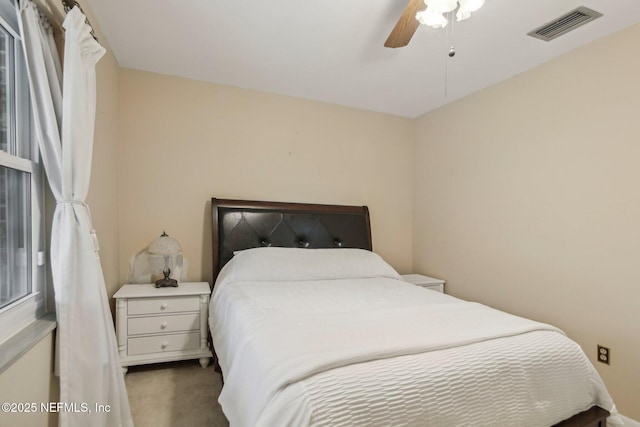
(284, 264)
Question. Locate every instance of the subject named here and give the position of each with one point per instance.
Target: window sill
(18, 345)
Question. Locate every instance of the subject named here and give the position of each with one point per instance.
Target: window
(21, 189)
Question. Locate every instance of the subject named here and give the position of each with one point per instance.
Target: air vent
(564, 24)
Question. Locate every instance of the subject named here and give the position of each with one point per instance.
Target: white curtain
(90, 371)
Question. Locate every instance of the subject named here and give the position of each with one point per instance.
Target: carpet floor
(175, 395)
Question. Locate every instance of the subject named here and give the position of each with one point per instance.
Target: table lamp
(165, 254)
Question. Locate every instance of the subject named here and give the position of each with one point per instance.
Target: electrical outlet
(604, 355)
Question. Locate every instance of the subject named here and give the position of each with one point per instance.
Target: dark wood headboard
(244, 224)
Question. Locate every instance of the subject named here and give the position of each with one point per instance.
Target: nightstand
(425, 281)
(162, 324)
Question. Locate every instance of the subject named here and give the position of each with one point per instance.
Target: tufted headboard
(243, 224)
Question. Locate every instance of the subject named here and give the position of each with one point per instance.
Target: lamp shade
(165, 245)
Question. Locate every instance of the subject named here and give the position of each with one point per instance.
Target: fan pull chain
(452, 51)
(446, 73)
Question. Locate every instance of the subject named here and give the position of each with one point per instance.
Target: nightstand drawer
(437, 288)
(157, 324)
(163, 343)
(425, 281)
(163, 305)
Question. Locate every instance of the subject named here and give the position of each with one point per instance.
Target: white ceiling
(332, 51)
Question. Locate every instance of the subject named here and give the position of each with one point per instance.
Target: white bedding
(356, 346)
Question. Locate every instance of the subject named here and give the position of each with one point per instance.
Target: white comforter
(377, 351)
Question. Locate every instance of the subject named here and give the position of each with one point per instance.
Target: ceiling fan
(434, 16)
(406, 25)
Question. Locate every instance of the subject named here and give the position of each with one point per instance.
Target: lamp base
(163, 283)
(166, 281)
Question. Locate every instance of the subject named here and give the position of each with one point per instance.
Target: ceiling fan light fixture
(432, 19)
(441, 6)
(435, 15)
(466, 7)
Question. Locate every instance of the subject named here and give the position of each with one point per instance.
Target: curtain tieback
(72, 202)
(94, 236)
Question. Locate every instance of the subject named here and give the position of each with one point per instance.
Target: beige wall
(29, 380)
(183, 142)
(527, 198)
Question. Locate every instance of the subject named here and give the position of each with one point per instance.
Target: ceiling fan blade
(406, 25)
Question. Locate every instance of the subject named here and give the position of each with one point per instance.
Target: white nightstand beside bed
(425, 281)
(162, 324)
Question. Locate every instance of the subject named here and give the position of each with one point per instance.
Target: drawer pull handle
(164, 325)
(163, 306)
(164, 345)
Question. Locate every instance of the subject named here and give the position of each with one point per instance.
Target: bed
(311, 328)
